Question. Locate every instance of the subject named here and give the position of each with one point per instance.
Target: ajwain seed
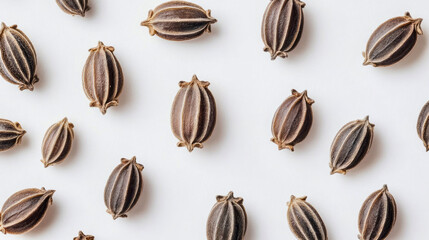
(57, 143)
(82, 236)
(227, 219)
(422, 125)
(350, 145)
(10, 134)
(74, 7)
(392, 40)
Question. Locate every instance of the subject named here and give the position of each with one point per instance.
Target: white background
(180, 187)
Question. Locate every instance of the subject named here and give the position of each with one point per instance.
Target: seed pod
(24, 210)
(82, 236)
(377, 215)
(227, 219)
(350, 145)
(292, 120)
(178, 21)
(304, 221)
(422, 126)
(193, 116)
(57, 143)
(10, 134)
(102, 77)
(392, 41)
(74, 7)
(18, 58)
(282, 26)
(123, 188)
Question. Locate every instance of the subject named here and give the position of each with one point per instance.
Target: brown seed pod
(102, 77)
(123, 188)
(292, 120)
(10, 134)
(282, 26)
(392, 41)
(82, 236)
(422, 126)
(350, 145)
(227, 219)
(193, 115)
(74, 7)
(57, 143)
(178, 21)
(18, 60)
(377, 215)
(304, 221)
(24, 210)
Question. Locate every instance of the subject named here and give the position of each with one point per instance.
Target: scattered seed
(57, 143)
(74, 7)
(10, 134)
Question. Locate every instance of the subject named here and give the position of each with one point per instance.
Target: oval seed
(292, 120)
(10, 134)
(227, 219)
(178, 21)
(74, 7)
(193, 115)
(392, 40)
(377, 215)
(102, 78)
(24, 210)
(82, 236)
(18, 60)
(304, 221)
(350, 145)
(422, 125)
(57, 143)
(282, 26)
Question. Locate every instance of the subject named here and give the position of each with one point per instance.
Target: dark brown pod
(227, 219)
(304, 221)
(18, 58)
(392, 41)
(377, 215)
(193, 115)
(350, 145)
(57, 143)
(74, 7)
(282, 26)
(123, 188)
(24, 210)
(178, 21)
(102, 77)
(422, 126)
(82, 236)
(10, 134)
(292, 120)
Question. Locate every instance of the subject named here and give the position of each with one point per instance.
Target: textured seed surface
(74, 7)
(422, 125)
(24, 210)
(227, 219)
(10, 134)
(304, 221)
(102, 78)
(282, 26)
(82, 236)
(392, 41)
(377, 215)
(193, 115)
(18, 58)
(123, 188)
(178, 21)
(350, 145)
(57, 143)
(292, 120)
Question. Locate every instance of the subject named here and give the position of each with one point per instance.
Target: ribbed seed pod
(227, 219)
(24, 210)
(282, 26)
(18, 58)
(193, 115)
(10, 134)
(123, 188)
(392, 41)
(74, 7)
(178, 21)
(304, 221)
(350, 145)
(57, 143)
(422, 126)
(377, 215)
(292, 120)
(102, 77)
(82, 236)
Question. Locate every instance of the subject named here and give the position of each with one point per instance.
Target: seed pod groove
(227, 219)
(422, 126)
(10, 134)
(292, 120)
(178, 21)
(74, 7)
(82, 236)
(57, 143)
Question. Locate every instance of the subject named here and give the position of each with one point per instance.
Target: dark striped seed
(423, 126)
(57, 143)
(10, 134)
(82, 236)
(74, 7)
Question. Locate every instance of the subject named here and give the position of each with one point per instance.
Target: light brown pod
(292, 120)
(377, 215)
(304, 221)
(57, 143)
(82, 236)
(102, 77)
(193, 115)
(178, 21)
(24, 210)
(282, 26)
(10, 134)
(74, 7)
(18, 61)
(422, 126)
